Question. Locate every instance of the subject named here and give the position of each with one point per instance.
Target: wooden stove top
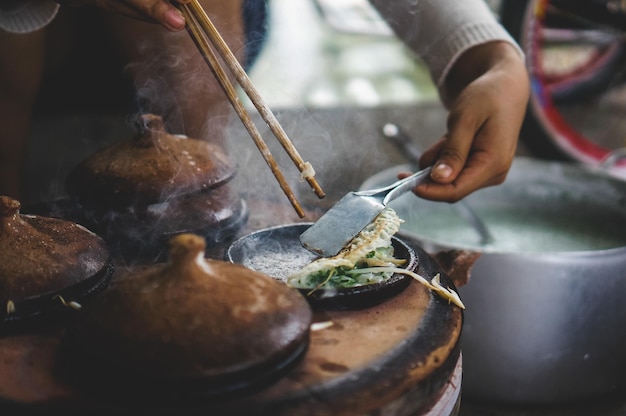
(396, 356)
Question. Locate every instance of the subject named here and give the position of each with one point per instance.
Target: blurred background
(332, 54)
(323, 53)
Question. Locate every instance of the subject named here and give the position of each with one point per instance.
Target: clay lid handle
(186, 252)
(9, 207)
(151, 130)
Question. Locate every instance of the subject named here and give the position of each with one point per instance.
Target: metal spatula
(354, 211)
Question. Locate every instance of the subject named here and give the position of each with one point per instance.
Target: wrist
(478, 60)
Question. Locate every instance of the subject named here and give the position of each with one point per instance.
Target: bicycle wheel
(575, 55)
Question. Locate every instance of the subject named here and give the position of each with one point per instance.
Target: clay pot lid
(190, 319)
(45, 261)
(150, 167)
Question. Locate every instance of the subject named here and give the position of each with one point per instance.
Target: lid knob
(185, 247)
(151, 129)
(9, 207)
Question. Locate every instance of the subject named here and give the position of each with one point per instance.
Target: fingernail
(442, 171)
(175, 19)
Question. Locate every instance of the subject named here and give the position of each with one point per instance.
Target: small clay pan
(277, 252)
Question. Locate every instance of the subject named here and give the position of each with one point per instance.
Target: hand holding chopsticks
(204, 33)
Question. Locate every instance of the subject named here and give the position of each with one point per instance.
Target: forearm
(440, 31)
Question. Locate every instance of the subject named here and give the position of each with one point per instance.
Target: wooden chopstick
(246, 84)
(209, 56)
(200, 28)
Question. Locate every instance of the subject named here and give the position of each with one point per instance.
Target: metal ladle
(413, 153)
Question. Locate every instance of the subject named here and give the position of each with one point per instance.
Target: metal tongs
(207, 38)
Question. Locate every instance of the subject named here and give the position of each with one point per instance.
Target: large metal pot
(545, 301)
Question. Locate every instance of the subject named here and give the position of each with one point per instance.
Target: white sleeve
(439, 31)
(24, 16)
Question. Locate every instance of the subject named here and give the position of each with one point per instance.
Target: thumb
(450, 161)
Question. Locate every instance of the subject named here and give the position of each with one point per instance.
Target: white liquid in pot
(542, 207)
(517, 229)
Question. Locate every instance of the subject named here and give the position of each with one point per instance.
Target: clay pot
(190, 326)
(46, 264)
(139, 192)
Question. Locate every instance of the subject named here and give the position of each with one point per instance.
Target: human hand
(153, 11)
(488, 90)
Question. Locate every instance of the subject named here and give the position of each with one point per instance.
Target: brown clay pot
(46, 264)
(139, 192)
(191, 325)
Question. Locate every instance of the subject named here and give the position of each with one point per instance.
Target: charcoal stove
(387, 357)
(400, 357)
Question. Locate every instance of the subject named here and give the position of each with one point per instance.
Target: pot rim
(432, 245)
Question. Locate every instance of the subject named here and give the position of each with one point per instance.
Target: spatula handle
(405, 185)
